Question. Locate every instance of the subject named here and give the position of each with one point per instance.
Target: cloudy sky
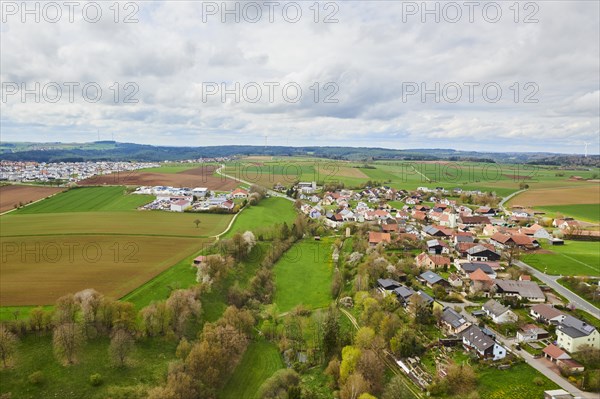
(489, 76)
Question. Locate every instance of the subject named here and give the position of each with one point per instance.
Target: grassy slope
(303, 275)
(260, 361)
(578, 258)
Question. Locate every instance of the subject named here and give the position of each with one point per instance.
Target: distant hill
(113, 151)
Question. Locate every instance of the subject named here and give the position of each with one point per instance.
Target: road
(272, 193)
(551, 282)
(538, 364)
(501, 204)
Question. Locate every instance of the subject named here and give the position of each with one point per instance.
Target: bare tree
(121, 345)
(8, 345)
(67, 340)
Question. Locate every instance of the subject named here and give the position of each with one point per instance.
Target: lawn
(303, 275)
(516, 382)
(574, 258)
(585, 212)
(268, 212)
(260, 361)
(88, 199)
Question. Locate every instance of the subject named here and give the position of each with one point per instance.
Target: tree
(89, 300)
(331, 331)
(67, 340)
(182, 305)
(183, 348)
(37, 319)
(372, 369)
(461, 379)
(279, 384)
(364, 337)
(406, 343)
(8, 345)
(285, 231)
(66, 309)
(121, 345)
(354, 386)
(511, 254)
(350, 357)
(197, 222)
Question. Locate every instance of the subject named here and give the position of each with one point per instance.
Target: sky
(483, 76)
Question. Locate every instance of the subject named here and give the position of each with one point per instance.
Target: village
(466, 272)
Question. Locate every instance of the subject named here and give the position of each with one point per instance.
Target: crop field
(13, 195)
(303, 275)
(88, 199)
(575, 258)
(581, 193)
(149, 223)
(103, 243)
(53, 266)
(268, 212)
(203, 176)
(517, 382)
(260, 361)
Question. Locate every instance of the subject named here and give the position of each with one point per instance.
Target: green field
(146, 223)
(517, 382)
(260, 361)
(88, 199)
(585, 212)
(575, 258)
(303, 275)
(268, 212)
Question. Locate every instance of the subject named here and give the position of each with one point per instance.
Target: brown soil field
(196, 177)
(38, 270)
(12, 195)
(585, 194)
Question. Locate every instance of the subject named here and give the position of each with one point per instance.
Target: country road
(269, 191)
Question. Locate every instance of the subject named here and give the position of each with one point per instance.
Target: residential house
(531, 332)
(455, 280)
(572, 333)
(473, 221)
(481, 283)
(522, 290)
(554, 353)
(546, 314)
(474, 338)
(376, 237)
(499, 313)
(403, 294)
(239, 193)
(437, 247)
(453, 322)
(431, 279)
(502, 241)
(467, 268)
(387, 284)
(429, 261)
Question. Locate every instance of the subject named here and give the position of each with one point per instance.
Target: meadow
(303, 275)
(261, 360)
(268, 212)
(517, 382)
(574, 258)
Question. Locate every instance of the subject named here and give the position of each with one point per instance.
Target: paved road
(270, 192)
(570, 295)
(505, 199)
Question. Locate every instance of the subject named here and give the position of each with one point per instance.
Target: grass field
(303, 275)
(268, 212)
(35, 353)
(88, 199)
(517, 382)
(260, 361)
(585, 212)
(575, 258)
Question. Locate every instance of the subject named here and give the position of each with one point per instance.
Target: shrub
(36, 378)
(96, 380)
(538, 381)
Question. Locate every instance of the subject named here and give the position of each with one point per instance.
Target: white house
(498, 312)
(180, 205)
(571, 333)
